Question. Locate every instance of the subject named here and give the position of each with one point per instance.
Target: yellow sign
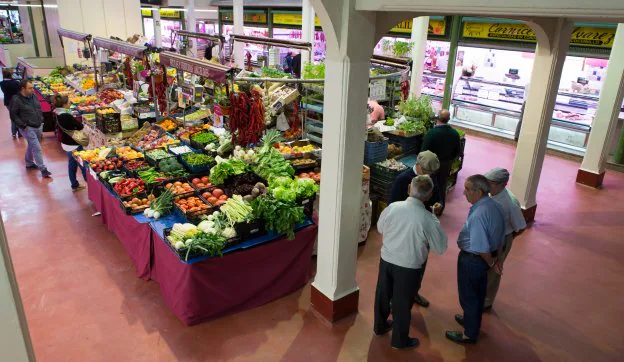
(581, 36)
(247, 17)
(436, 27)
(292, 19)
(164, 13)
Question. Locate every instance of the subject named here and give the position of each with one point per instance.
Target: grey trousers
(494, 278)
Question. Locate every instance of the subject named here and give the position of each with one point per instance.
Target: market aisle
(560, 298)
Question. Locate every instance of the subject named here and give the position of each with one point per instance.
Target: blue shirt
(484, 230)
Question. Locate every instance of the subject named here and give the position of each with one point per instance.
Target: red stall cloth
(135, 237)
(235, 282)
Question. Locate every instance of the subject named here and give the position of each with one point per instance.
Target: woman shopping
(67, 123)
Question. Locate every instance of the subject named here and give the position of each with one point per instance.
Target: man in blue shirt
(479, 241)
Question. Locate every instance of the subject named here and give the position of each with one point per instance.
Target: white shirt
(514, 220)
(409, 230)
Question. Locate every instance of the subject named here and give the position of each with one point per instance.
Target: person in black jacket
(427, 163)
(67, 122)
(27, 115)
(10, 87)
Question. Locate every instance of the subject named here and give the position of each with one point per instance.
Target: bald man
(444, 141)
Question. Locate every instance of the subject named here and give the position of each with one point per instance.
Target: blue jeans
(472, 273)
(73, 168)
(34, 154)
(14, 129)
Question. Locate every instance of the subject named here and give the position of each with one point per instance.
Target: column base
(589, 178)
(334, 310)
(529, 214)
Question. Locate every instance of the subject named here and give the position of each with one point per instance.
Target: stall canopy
(83, 37)
(123, 47)
(273, 42)
(215, 72)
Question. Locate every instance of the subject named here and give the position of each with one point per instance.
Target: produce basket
(308, 205)
(375, 151)
(134, 172)
(195, 169)
(112, 174)
(381, 173)
(154, 161)
(108, 122)
(250, 230)
(307, 162)
(127, 197)
(201, 145)
(301, 143)
(408, 144)
(195, 256)
(129, 210)
(181, 180)
(193, 216)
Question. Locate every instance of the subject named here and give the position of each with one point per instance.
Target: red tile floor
(560, 300)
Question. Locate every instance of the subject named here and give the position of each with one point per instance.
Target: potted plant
(386, 46)
(401, 48)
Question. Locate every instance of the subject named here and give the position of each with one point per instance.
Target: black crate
(308, 205)
(250, 230)
(305, 167)
(194, 255)
(193, 216)
(196, 169)
(408, 144)
(201, 146)
(128, 210)
(113, 174)
(154, 162)
(134, 173)
(384, 174)
(108, 123)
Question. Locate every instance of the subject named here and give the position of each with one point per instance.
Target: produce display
(180, 188)
(129, 187)
(157, 154)
(108, 96)
(215, 197)
(204, 138)
(191, 204)
(162, 141)
(134, 165)
(287, 150)
(392, 164)
(148, 138)
(96, 154)
(302, 162)
(168, 125)
(201, 183)
(170, 166)
(178, 150)
(137, 205)
(310, 175)
(127, 153)
(197, 159)
(113, 163)
(195, 116)
(161, 205)
(150, 176)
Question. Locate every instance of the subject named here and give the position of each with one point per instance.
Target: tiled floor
(560, 300)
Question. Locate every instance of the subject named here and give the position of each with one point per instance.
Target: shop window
(10, 27)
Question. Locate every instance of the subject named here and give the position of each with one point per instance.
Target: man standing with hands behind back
(27, 115)
(480, 241)
(445, 142)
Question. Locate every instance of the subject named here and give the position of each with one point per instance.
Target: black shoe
(458, 337)
(386, 329)
(459, 319)
(46, 174)
(14, 136)
(487, 308)
(421, 301)
(32, 167)
(411, 343)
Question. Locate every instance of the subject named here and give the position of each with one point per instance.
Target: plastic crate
(196, 169)
(308, 205)
(385, 174)
(250, 230)
(375, 151)
(129, 210)
(193, 216)
(154, 162)
(408, 144)
(195, 256)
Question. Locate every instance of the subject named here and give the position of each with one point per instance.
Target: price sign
(493, 95)
(483, 93)
(377, 89)
(187, 92)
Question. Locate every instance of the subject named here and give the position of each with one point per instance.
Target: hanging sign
(581, 36)
(187, 91)
(248, 17)
(119, 47)
(164, 13)
(292, 19)
(73, 35)
(436, 27)
(215, 72)
(377, 89)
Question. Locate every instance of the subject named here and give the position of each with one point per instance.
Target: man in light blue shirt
(480, 240)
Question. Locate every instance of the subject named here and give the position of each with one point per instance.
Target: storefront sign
(436, 27)
(292, 19)
(211, 71)
(164, 13)
(377, 89)
(259, 18)
(581, 36)
(119, 47)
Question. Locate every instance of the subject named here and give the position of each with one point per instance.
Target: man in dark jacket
(26, 112)
(444, 141)
(426, 164)
(10, 87)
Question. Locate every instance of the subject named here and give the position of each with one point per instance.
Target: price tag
(493, 95)
(483, 93)
(377, 89)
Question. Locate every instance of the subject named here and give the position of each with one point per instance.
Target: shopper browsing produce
(408, 231)
(10, 87)
(375, 111)
(445, 142)
(514, 225)
(68, 123)
(27, 115)
(480, 241)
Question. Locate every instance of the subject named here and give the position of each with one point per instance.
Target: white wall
(104, 18)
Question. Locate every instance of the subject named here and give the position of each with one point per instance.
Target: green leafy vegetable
(197, 159)
(225, 169)
(279, 216)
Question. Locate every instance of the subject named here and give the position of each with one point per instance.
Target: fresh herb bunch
(225, 169)
(279, 216)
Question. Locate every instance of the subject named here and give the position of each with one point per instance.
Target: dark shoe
(411, 343)
(46, 174)
(459, 319)
(78, 188)
(32, 167)
(421, 301)
(386, 329)
(14, 136)
(458, 337)
(487, 308)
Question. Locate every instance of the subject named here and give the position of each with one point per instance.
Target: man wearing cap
(445, 142)
(514, 225)
(408, 231)
(426, 164)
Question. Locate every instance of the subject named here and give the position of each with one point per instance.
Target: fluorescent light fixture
(206, 10)
(174, 9)
(29, 5)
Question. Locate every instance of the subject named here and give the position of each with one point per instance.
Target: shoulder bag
(79, 136)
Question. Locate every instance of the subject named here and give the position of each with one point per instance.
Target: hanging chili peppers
(405, 88)
(127, 71)
(246, 118)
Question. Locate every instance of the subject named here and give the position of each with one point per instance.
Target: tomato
(206, 195)
(316, 178)
(217, 192)
(205, 180)
(196, 181)
(304, 175)
(220, 202)
(223, 197)
(213, 200)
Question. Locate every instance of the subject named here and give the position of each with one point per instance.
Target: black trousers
(442, 179)
(399, 285)
(472, 273)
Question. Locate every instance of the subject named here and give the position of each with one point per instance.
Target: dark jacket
(69, 123)
(10, 87)
(26, 111)
(295, 65)
(401, 184)
(444, 141)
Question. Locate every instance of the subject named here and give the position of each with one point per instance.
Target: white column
(307, 30)
(157, 29)
(239, 48)
(420, 29)
(191, 23)
(549, 57)
(592, 169)
(346, 92)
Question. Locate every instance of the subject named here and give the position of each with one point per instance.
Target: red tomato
(206, 195)
(196, 181)
(213, 200)
(217, 192)
(223, 197)
(304, 175)
(205, 180)
(220, 202)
